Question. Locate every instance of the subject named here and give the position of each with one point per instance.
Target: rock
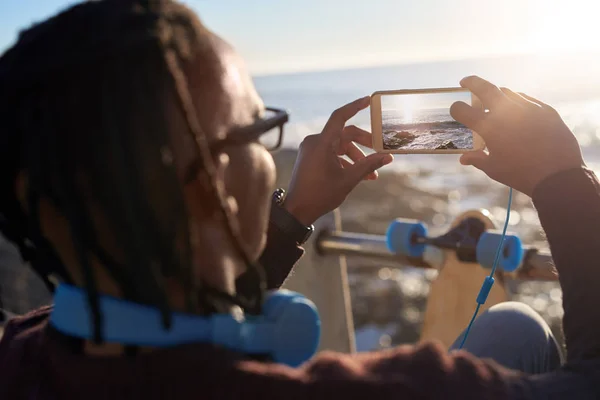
(448, 145)
(404, 135)
(398, 143)
(398, 139)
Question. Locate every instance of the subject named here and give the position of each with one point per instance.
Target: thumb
(365, 166)
(479, 159)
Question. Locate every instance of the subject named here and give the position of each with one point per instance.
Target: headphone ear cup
(275, 302)
(296, 325)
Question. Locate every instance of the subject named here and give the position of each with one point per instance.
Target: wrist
(302, 214)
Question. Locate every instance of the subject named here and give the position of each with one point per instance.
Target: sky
(307, 35)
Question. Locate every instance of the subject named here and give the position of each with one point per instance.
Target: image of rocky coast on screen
(423, 122)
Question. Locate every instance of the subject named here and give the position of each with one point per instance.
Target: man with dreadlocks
(131, 174)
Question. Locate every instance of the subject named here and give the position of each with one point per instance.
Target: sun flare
(408, 107)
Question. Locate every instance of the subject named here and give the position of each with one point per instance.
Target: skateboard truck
(470, 240)
(462, 238)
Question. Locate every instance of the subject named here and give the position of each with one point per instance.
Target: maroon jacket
(37, 364)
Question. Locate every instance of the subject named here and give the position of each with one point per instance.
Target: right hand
(526, 140)
(322, 180)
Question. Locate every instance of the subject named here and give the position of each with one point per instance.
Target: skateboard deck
(324, 280)
(452, 297)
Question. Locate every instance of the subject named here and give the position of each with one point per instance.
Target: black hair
(82, 112)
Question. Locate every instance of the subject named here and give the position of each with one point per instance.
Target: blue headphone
(288, 329)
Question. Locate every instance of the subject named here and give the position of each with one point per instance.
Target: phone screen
(422, 121)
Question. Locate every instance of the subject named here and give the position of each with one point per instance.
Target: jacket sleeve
(278, 259)
(568, 205)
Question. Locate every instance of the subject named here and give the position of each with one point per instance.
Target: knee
(513, 310)
(515, 319)
(516, 336)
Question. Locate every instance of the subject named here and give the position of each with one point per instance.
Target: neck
(221, 279)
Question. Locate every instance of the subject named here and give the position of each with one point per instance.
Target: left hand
(322, 179)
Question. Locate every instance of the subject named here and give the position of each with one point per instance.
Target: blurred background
(313, 56)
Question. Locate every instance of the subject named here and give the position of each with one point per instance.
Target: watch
(286, 222)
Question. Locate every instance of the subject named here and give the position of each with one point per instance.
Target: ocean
(428, 129)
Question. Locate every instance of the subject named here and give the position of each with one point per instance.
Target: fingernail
(388, 158)
(462, 81)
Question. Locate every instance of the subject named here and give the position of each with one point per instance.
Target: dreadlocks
(82, 112)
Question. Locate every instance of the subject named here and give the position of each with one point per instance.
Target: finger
(353, 133)
(489, 94)
(362, 168)
(344, 163)
(478, 159)
(347, 164)
(520, 100)
(469, 116)
(339, 117)
(353, 152)
(356, 154)
(535, 101)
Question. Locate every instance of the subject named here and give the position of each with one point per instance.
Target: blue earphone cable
(489, 281)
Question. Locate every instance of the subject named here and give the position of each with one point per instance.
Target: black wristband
(286, 222)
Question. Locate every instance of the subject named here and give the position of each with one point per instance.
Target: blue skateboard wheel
(401, 235)
(511, 253)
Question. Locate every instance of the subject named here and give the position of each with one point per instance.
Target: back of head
(88, 104)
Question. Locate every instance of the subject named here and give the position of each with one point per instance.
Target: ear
(222, 165)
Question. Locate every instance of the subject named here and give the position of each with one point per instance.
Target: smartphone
(419, 122)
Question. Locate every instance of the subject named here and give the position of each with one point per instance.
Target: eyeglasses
(268, 131)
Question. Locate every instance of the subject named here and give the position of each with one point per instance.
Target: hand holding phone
(527, 140)
(322, 178)
(419, 122)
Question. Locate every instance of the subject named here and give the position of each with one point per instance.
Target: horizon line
(417, 62)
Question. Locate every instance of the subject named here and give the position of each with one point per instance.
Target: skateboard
(468, 252)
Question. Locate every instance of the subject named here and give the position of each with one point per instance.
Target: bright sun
(565, 26)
